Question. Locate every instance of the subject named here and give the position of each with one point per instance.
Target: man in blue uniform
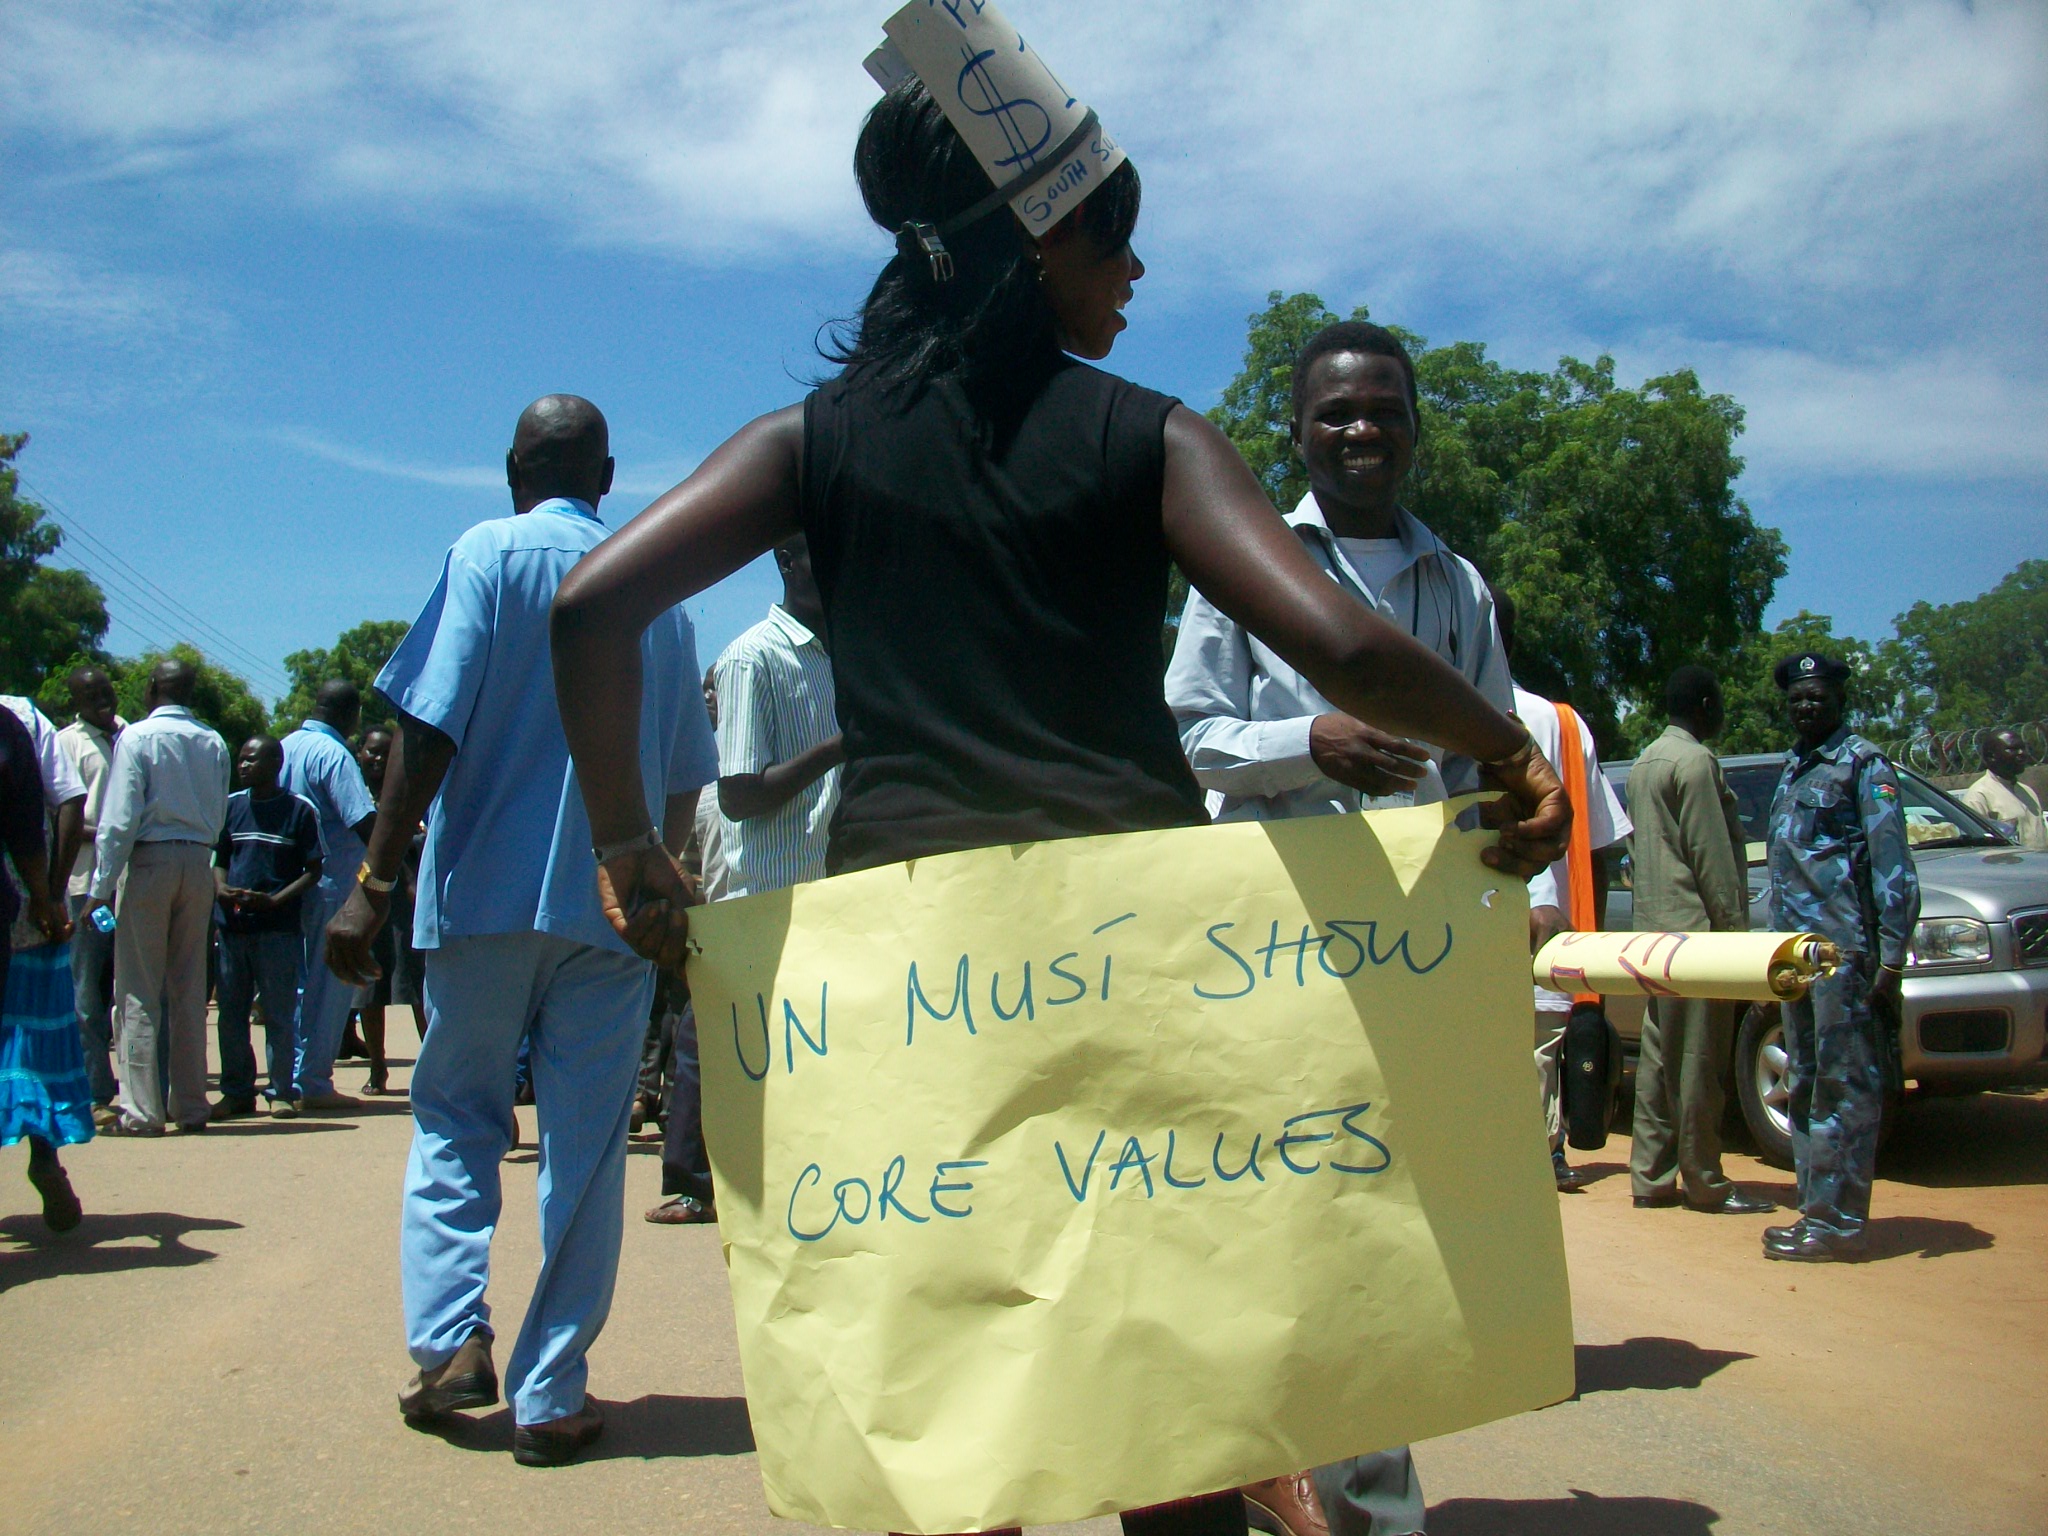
(517, 949)
(321, 767)
(1839, 868)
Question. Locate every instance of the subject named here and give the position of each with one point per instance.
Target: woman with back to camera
(990, 523)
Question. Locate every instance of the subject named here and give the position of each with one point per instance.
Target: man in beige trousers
(1690, 874)
(167, 797)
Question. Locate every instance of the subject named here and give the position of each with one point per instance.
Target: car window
(1754, 784)
(1933, 820)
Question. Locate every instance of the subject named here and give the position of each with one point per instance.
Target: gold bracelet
(369, 882)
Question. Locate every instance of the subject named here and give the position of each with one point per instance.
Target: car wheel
(1762, 1083)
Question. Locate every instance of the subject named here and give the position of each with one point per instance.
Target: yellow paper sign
(1075, 1177)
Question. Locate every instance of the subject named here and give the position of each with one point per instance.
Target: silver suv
(1975, 1001)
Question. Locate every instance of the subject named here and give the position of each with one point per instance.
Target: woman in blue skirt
(44, 1095)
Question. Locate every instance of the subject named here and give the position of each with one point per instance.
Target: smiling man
(1257, 731)
(1259, 734)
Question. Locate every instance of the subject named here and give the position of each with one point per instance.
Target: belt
(172, 842)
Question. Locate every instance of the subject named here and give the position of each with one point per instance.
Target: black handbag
(1592, 1076)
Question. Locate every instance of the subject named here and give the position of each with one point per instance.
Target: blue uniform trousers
(324, 998)
(584, 1010)
(685, 1166)
(254, 965)
(92, 988)
(1837, 1090)
(1375, 1495)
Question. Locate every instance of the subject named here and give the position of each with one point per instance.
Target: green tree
(1607, 513)
(1976, 663)
(359, 655)
(223, 699)
(46, 613)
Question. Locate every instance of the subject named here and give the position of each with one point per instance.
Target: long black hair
(992, 317)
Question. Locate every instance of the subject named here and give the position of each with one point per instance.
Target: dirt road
(217, 1348)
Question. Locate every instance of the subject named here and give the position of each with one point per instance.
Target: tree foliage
(46, 613)
(1976, 663)
(358, 654)
(1607, 513)
(223, 699)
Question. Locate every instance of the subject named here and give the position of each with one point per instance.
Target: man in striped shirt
(779, 747)
(267, 859)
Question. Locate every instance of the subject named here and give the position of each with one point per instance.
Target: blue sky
(275, 279)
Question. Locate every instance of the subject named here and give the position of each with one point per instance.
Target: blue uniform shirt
(508, 843)
(1840, 865)
(318, 766)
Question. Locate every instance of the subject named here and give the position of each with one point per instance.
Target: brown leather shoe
(556, 1442)
(466, 1379)
(329, 1102)
(1285, 1506)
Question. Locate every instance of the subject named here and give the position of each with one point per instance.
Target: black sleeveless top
(994, 581)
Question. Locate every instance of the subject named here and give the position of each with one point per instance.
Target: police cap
(1807, 664)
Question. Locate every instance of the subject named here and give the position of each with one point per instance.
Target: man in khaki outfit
(1690, 865)
(2000, 796)
(167, 796)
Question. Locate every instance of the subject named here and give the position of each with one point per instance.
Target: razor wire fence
(1940, 753)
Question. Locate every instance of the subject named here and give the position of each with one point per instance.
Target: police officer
(1839, 868)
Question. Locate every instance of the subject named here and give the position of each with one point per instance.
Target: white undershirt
(1377, 561)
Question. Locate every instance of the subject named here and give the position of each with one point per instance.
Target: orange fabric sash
(1579, 856)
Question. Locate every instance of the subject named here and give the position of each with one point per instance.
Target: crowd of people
(973, 530)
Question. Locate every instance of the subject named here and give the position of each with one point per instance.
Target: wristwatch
(606, 852)
(369, 882)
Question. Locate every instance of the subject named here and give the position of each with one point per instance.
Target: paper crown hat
(1043, 150)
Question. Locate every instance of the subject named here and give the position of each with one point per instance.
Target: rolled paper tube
(1753, 967)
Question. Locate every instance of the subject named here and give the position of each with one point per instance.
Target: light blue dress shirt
(318, 766)
(1244, 712)
(168, 784)
(508, 843)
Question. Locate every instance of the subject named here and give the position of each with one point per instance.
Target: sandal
(61, 1210)
(682, 1211)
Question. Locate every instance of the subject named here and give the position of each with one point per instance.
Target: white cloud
(1852, 199)
(645, 481)
(455, 477)
(51, 291)
(1948, 414)
(1752, 137)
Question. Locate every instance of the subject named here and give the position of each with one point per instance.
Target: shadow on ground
(1895, 1237)
(1592, 1173)
(651, 1428)
(1583, 1514)
(1647, 1365)
(1970, 1140)
(103, 1245)
(256, 1126)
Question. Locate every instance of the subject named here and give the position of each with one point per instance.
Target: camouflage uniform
(1840, 868)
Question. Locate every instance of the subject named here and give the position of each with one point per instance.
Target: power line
(161, 605)
(189, 620)
(161, 624)
(217, 638)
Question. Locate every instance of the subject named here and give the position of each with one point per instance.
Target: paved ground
(216, 1349)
